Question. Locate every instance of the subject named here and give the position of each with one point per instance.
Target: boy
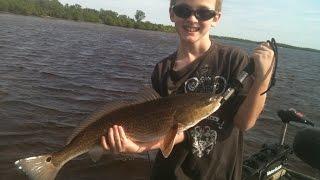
(213, 148)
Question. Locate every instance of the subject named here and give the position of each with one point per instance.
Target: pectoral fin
(168, 141)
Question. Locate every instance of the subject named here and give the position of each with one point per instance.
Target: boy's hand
(117, 142)
(263, 57)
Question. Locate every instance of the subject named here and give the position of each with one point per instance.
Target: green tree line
(54, 8)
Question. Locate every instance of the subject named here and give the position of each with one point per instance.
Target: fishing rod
(237, 84)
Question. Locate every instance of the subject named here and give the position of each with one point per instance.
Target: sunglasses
(185, 11)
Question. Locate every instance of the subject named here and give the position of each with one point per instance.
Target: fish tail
(39, 167)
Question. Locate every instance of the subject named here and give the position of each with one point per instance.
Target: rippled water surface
(54, 73)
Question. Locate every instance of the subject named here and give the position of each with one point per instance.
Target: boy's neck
(187, 53)
(191, 51)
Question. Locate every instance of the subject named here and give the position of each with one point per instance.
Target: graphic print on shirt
(204, 137)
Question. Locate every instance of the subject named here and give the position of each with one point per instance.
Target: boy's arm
(253, 104)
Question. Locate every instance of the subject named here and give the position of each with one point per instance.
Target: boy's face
(191, 29)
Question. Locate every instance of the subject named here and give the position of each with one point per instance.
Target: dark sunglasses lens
(205, 14)
(182, 11)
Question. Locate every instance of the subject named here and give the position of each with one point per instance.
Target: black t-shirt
(213, 148)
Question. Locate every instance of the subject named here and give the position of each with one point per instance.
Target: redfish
(149, 118)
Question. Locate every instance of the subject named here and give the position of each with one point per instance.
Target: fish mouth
(216, 98)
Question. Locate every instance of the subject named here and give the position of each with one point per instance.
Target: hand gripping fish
(149, 118)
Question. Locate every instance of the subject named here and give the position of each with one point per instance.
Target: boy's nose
(192, 18)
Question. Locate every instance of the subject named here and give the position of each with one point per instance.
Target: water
(54, 73)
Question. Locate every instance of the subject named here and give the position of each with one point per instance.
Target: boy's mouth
(191, 28)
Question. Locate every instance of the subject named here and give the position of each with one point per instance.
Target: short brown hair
(218, 6)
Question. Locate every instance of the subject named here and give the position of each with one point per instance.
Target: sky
(293, 22)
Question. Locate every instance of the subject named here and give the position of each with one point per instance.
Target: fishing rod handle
(249, 69)
(238, 82)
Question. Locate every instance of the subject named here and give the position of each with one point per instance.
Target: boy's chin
(189, 40)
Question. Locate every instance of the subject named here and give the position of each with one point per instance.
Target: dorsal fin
(146, 94)
(95, 116)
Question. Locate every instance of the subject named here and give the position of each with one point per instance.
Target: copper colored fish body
(150, 118)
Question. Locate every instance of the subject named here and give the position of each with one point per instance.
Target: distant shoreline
(214, 36)
(279, 44)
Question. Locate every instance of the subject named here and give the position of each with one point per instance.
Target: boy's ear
(171, 14)
(216, 19)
